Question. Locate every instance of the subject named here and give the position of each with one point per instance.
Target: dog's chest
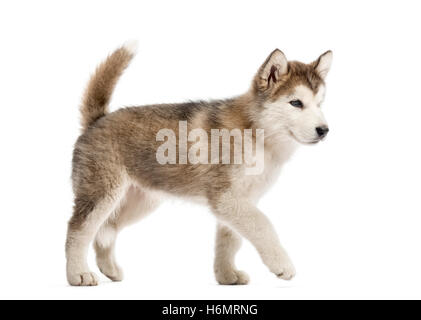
(253, 187)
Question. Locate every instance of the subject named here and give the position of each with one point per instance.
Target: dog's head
(291, 94)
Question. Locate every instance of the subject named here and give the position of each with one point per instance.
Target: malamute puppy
(119, 175)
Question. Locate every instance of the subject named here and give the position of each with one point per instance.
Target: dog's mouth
(311, 142)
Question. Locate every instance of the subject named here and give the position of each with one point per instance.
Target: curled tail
(102, 83)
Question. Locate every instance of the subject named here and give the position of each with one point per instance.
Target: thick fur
(101, 86)
(117, 179)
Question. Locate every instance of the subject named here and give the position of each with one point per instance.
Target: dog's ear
(275, 66)
(322, 65)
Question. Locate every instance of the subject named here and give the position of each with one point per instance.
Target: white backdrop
(347, 210)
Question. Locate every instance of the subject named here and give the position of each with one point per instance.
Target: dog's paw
(87, 279)
(110, 268)
(113, 272)
(232, 277)
(287, 272)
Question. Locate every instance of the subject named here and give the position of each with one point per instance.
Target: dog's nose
(322, 131)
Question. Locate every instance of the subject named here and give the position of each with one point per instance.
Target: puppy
(127, 161)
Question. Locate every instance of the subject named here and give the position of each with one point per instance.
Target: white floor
(164, 258)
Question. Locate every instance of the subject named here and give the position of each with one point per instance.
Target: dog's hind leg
(90, 212)
(104, 245)
(228, 242)
(136, 205)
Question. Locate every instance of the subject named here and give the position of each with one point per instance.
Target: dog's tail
(102, 83)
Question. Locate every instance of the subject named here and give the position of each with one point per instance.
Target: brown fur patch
(298, 74)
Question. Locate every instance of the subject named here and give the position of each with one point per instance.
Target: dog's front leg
(252, 224)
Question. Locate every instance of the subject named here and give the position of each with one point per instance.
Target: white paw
(232, 277)
(287, 272)
(111, 270)
(114, 274)
(83, 279)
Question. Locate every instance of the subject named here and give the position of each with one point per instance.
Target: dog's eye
(296, 103)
